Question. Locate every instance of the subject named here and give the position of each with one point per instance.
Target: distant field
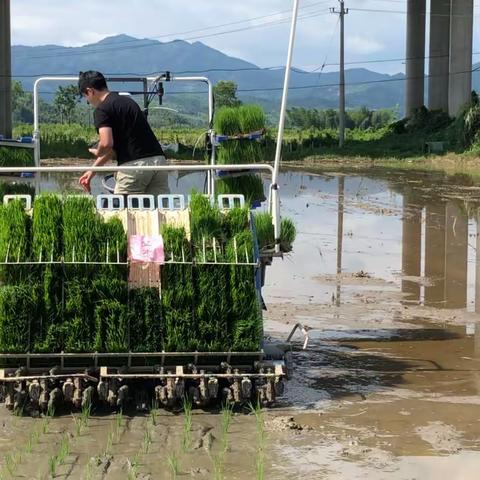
(67, 141)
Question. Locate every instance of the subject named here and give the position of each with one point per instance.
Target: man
(123, 128)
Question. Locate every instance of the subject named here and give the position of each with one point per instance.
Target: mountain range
(125, 55)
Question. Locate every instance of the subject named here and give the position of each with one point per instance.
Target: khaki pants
(138, 182)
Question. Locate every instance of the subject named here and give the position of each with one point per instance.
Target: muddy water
(383, 275)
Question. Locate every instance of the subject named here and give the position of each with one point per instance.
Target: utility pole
(5, 71)
(341, 110)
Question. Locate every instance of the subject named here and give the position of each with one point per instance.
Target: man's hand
(85, 180)
(93, 151)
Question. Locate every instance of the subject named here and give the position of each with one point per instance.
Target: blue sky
(262, 26)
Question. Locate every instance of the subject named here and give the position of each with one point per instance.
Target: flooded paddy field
(384, 277)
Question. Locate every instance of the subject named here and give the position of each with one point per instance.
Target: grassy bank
(400, 144)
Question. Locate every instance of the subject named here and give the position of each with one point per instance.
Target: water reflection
(411, 247)
(411, 231)
(341, 200)
(441, 248)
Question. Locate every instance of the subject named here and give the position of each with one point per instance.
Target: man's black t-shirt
(132, 136)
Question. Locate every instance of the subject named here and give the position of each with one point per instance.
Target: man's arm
(105, 144)
(103, 152)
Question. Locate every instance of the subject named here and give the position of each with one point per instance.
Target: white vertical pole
(275, 205)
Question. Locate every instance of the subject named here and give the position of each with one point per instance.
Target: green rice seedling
(264, 230)
(52, 465)
(210, 279)
(245, 325)
(35, 436)
(257, 411)
(45, 425)
(288, 233)
(47, 245)
(266, 235)
(118, 425)
(112, 242)
(80, 234)
(177, 291)
(111, 326)
(80, 229)
(227, 416)
(63, 450)
(16, 307)
(260, 465)
(145, 317)
(10, 463)
(77, 421)
(78, 329)
(218, 462)
(110, 312)
(174, 464)
(147, 439)
(32, 440)
(47, 235)
(109, 444)
(108, 287)
(133, 467)
(211, 302)
(261, 439)
(95, 314)
(252, 118)
(205, 218)
(29, 445)
(15, 246)
(88, 471)
(227, 121)
(85, 414)
(47, 322)
(187, 424)
(235, 221)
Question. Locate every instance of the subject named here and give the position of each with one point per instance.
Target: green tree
(22, 104)
(225, 94)
(65, 102)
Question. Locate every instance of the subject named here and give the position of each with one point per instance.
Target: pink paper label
(146, 249)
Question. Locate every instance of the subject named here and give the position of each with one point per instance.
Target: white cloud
(26, 25)
(85, 37)
(362, 45)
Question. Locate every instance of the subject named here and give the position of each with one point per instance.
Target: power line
(115, 48)
(244, 69)
(386, 60)
(99, 49)
(430, 14)
(305, 87)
